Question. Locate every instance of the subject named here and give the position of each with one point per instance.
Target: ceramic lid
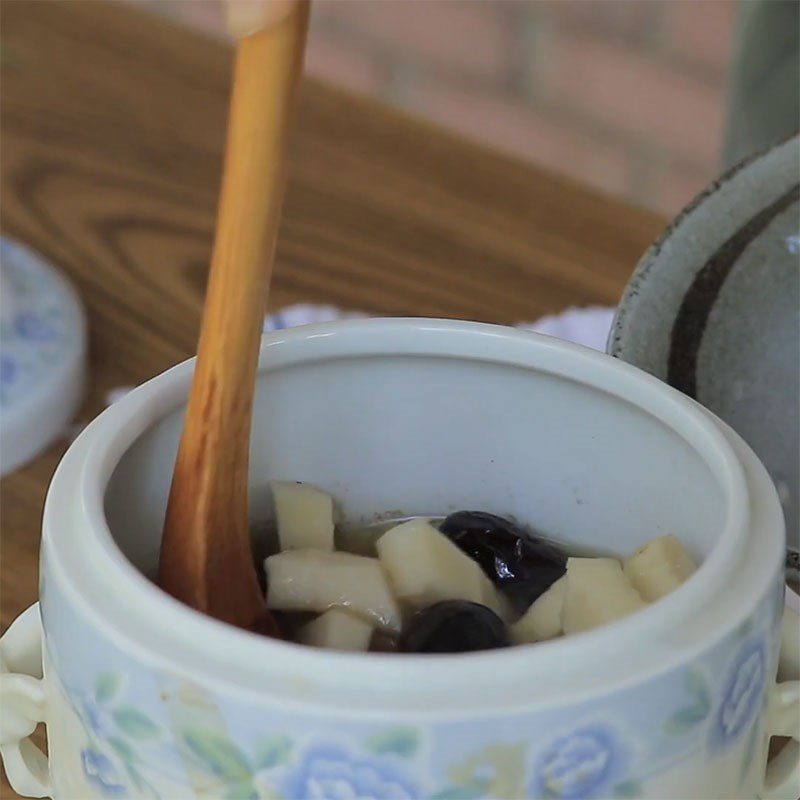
(713, 308)
(42, 354)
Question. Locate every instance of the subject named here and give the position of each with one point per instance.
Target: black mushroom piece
(522, 565)
(453, 626)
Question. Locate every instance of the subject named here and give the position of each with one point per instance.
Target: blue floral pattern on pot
(103, 774)
(125, 747)
(587, 762)
(742, 701)
(331, 771)
(742, 695)
(187, 736)
(129, 754)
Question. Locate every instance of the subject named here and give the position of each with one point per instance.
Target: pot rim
(195, 641)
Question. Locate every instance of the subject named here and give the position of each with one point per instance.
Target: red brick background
(627, 95)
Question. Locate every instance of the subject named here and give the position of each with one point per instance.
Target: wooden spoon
(206, 557)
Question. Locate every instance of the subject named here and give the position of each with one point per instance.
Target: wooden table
(112, 134)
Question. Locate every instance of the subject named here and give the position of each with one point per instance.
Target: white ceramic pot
(145, 698)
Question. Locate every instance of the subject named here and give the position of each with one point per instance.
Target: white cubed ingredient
(543, 619)
(304, 515)
(425, 567)
(598, 592)
(314, 580)
(493, 598)
(337, 630)
(659, 567)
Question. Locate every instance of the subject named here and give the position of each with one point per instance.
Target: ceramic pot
(712, 309)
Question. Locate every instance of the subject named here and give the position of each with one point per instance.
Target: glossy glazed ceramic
(43, 345)
(712, 309)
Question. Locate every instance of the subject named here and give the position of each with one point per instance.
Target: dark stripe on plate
(690, 322)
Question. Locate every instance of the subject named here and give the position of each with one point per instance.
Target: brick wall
(627, 95)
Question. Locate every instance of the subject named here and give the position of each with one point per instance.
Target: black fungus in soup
(466, 582)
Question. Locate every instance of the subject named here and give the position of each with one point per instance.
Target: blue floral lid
(42, 354)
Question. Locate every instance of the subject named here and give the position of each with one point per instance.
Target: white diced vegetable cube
(597, 593)
(493, 598)
(543, 620)
(659, 567)
(314, 580)
(425, 567)
(337, 630)
(304, 515)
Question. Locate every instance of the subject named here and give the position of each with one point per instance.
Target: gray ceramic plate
(713, 308)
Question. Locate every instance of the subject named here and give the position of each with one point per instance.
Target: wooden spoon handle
(206, 558)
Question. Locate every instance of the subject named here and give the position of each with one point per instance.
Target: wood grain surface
(112, 133)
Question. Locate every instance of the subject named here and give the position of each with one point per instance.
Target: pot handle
(22, 698)
(783, 716)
